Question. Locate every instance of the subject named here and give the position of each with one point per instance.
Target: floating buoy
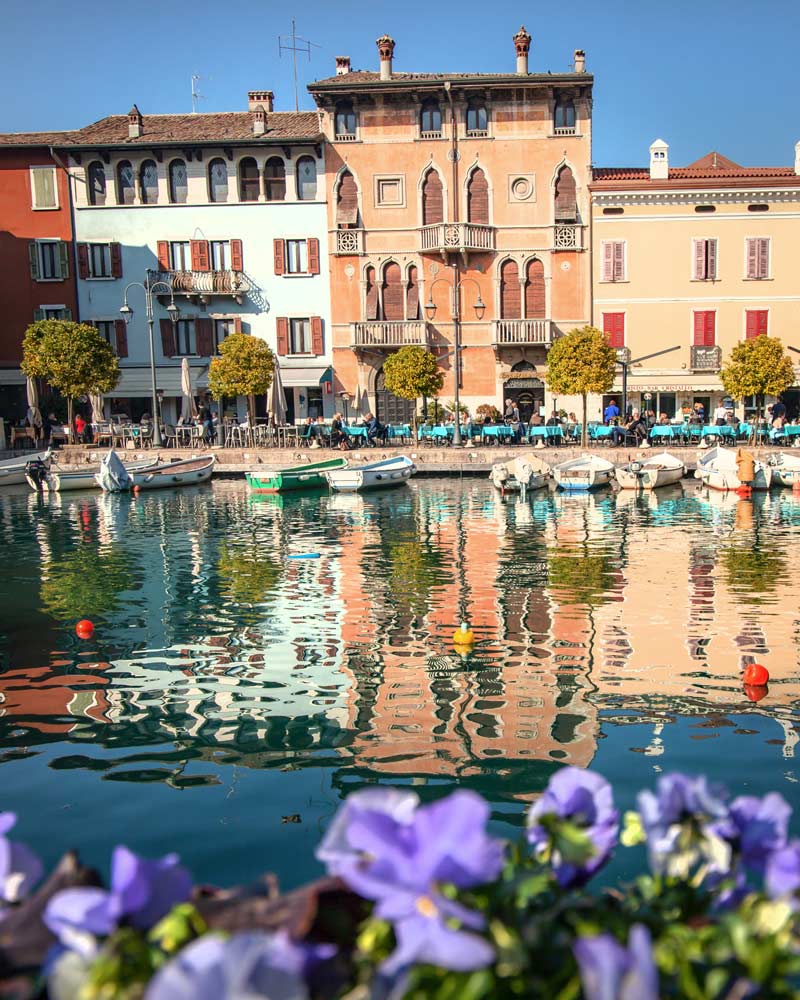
(756, 674)
(136, 489)
(305, 555)
(796, 486)
(84, 629)
(755, 692)
(463, 635)
(744, 491)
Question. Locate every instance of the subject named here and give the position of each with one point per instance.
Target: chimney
(263, 98)
(385, 50)
(659, 161)
(522, 43)
(342, 65)
(580, 61)
(134, 123)
(797, 158)
(259, 120)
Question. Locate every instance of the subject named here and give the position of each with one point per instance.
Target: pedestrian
(611, 412)
(80, 428)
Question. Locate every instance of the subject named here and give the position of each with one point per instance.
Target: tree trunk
(584, 427)
(414, 418)
(251, 411)
(70, 405)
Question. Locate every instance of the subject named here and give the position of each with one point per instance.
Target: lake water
(231, 695)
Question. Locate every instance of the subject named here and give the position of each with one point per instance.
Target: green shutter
(33, 256)
(63, 253)
(67, 314)
(38, 315)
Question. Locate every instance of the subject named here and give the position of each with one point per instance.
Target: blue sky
(701, 75)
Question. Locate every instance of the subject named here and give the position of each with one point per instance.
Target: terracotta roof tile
(365, 76)
(694, 172)
(36, 138)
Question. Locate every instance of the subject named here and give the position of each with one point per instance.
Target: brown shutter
(313, 256)
(33, 257)
(316, 335)
(412, 295)
(167, 338)
(392, 292)
(282, 330)
(279, 252)
(347, 201)
(711, 260)
(372, 295)
(237, 256)
(478, 198)
(608, 261)
(432, 199)
(83, 260)
(237, 324)
(121, 336)
(752, 258)
(116, 260)
(163, 255)
(535, 304)
(510, 297)
(200, 256)
(205, 337)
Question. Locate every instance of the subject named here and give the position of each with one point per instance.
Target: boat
(376, 475)
(650, 473)
(716, 468)
(13, 470)
(785, 469)
(58, 480)
(297, 477)
(526, 472)
(114, 477)
(588, 472)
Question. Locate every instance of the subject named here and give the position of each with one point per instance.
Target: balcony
(565, 130)
(567, 236)
(522, 332)
(623, 354)
(455, 237)
(706, 359)
(349, 242)
(388, 333)
(431, 134)
(206, 283)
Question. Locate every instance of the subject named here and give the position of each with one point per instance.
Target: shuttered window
(178, 256)
(204, 328)
(121, 338)
(535, 305)
(614, 329)
(300, 336)
(432, 199)
(510, 296)
(756, 323)
(185, 337)
(757, 258)
(49, 260)
(613, 260)
(392, 292)
(566, 206)
(274, 179)
(705, 260)
(371, 304)
(44, 193)
(705, 328)
(478, 198)
(347, 201)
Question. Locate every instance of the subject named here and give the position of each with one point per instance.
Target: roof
(360, 77)
(35, 138)
(711, 167)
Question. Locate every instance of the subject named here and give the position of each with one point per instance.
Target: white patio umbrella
(33, 415)
(96, 400)
(360, 402)
(277, 398)
(188, 409)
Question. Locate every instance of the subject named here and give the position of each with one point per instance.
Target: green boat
(299, 477)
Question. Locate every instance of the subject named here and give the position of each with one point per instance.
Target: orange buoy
(755, 692)
(137, 489)
(84, 629)
(756, 674)
(463, 635)
(744, 490)
(796, 486)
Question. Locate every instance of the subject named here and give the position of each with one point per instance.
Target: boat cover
(113, 476)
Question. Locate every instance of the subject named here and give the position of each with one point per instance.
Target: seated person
(375, 430)
(553, 420)
(339, 439)
(635, 426)
(535, 421)
(731, 419)
(663, 420)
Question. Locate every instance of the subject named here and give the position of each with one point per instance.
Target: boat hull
(311, 477)
(725, 480)
(12, 470)
(648, 479)
(377, 476)
(190, 473)
(582, 480)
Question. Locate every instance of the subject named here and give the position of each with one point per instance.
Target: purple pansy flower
(142, 892)
(336, 849)
(251, 965)
(20, 868)
(584, 799)
(611, 972)
(761, 827)
(783, 871)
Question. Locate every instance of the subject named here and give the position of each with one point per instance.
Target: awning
(136, 381)
(311, 375)
(11, 376)
(665, 383)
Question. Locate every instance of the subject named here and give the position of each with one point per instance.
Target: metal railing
(706, 358)
(477, 133)
(456, 236)
(205, 282)
(523, 331)
(390, 333)
(349, 241)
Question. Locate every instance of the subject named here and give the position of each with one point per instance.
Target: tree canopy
(71, 357)
(245, 367)
(413, 372)
(757, 367)
(581, 362)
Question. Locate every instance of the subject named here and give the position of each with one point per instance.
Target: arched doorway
(525, 389)
(391, 409)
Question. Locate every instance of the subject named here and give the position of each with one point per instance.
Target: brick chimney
(134, 123)
(385, 50)
(342, 65)
(522, 43)
(580, 61)
(659, 161)
(797, 158)
(259, 120)
(265, 98)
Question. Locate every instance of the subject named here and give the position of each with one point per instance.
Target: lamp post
(625, 365)
(149, 287)
(455, 305)
(345, 398)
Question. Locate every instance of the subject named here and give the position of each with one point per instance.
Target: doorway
(391, 409)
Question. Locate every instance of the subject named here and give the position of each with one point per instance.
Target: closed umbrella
(277, 398)
(34, 416)
(361, 401)
(188, 409)
(96, 401)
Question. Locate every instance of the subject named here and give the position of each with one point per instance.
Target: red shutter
(116, 260)
(200, 257)
(614, 329)
(619, 261)
(205, 337)
(704, 328)
(412, 295)
(316, 335)
(121, 335)
(279, 252)
(763, 320)
(711, 322)
(237, 324)
(608, 261)
(237, 257)
(163, 255)
(432, 199)
(756, 323)
(313, 256)
(168, 338)
(478, 198)
(371, 304)
(282, 328)
(83, 260)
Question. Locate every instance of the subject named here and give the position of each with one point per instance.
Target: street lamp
(345, 398)
(430, 312)
(149, 287)
(625, 365)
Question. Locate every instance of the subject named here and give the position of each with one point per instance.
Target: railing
(206, 282)
(477, 133)
(349, 241)
(565, 130)
(432, 134)
(387, 333)
(456, 236)
(523, 331)
(346, 137)
(567, 237)
(706, 358)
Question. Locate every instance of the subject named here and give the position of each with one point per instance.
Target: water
(232, 696)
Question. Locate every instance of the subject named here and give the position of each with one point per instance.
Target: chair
(169, 436)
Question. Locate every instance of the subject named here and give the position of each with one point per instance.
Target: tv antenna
(196, 95)
(289, 43)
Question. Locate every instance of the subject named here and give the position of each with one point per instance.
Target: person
(731, 419)
(663, 419)
(553, 420)
(720, 414)
(651, 418)
(339, 439)
(508, 416)
(80, 428)
(633, 426)
(778, 410)
(698, 414)
(536, 420)
(611, 412)
(204, 421)
(374, 429)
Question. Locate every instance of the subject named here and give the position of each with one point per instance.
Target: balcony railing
(565, 130)
(388, 333)
(349, 241)
(345, 137)
(520, 332)
(431, 134)
(567, 236)
(206, 282)
(706, 358)
(456, 236)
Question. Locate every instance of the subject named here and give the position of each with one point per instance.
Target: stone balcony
(205, 284)
(349, 242)
(455, 237)
(522, 332)
(390, 333)
(706, 359)
(567, 236)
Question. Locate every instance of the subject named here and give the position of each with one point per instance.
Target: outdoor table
(498, 431)
(356, 432)
(723, 431)
(23, 434)
(544, 433)
(287, 435)
(399, 431)
(600, 432)
(443, 432)
(668, 431)
(791, 430)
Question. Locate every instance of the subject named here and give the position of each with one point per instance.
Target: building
(477, 182)
(690, 261)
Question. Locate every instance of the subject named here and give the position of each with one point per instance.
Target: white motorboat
(13, 470)
(526, 472)
(66, 480)
(785, 469)
(375, 475)
(588, 472)
(114, 477)
(650, 473)
(717, 470)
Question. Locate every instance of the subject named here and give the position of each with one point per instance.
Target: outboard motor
(36, 473)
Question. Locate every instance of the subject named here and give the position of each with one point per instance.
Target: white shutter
(619, 261)
(608, 261)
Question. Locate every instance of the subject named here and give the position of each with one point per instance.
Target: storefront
(674, 398)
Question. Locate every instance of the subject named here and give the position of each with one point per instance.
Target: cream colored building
(696, 259)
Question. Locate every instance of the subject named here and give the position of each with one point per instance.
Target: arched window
(217, 180)
(178, 187)
(565, 114)
(392, 292)
(478, 198)
(347, 201)
(125, 183)
(248, 179)
(148, 178)
(432, 199)
(344, 121)
(430, 119)
(510, 298)
(412, 294)
(566, 207)
(96, 183)
(535, 306)
(477, 119)
(275, 179)
(306, 178)
(371, 304)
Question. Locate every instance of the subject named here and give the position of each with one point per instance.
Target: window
(275, 179)
(49, 260)
(393, 292)
(126, 187)
(430, 122)
(220, 255)
(564, 119)
(217, 181)
(707, 209)
(296, 257)
(510, 292)
(344, 122)
(99, 260)
(180, 257)
(96, 183)
(566, 202)
(613, 260)
(757, 249)
(148, 179)
(248, 180)
(52, 312)
(178, 186)
(299, 336)
(43, 187)
(756, 323)
(613, 211)
(477, 119)
(347, 201)
(478, 198)
(705, 260)
(306, 179)
(107, 330)
(185, 337)
(758, 208)
(222, 328)
(705, 329)
(432, 199)
(535, 299)
(614, 329)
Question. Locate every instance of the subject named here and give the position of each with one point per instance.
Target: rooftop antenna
(294, 48)
(196, 95)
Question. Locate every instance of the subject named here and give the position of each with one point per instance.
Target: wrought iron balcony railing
(706, 358)
(521, 332)
(390, 333)
(456, 236)
(206, 282)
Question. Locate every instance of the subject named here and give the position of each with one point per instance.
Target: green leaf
(245, 367)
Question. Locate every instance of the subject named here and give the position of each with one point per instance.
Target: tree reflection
(582, 579)
(246, 574)
(753, 572)
(416, 568)
(87, 582)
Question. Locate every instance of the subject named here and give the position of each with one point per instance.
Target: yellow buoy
(463, 635)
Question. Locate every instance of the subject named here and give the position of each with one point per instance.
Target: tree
(71, 357)
(245, 367)
(413, 372)
(581, 362)
(759, 368)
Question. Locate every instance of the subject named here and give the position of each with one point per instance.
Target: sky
(705, 75)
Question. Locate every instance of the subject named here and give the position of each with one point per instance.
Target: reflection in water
(596, 617)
